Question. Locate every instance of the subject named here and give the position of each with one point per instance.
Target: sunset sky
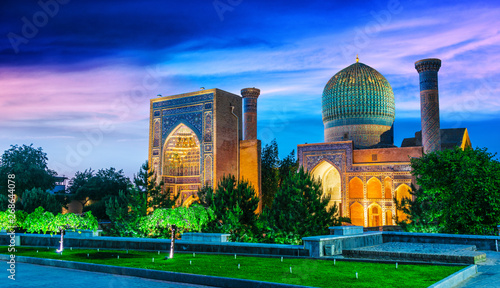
(76, 76)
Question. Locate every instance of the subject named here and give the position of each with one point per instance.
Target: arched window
(374, 189)
(357, 214)
(356, 188)
(374, 215)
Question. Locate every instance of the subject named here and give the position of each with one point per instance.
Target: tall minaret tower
(429, 103)
(250, 96)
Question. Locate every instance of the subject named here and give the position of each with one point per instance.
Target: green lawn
(310, 272)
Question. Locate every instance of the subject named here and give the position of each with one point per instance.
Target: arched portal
(356, 188)
(357, 214)
(374, 215)
(374, 188)
(181, 161)
(403, 191)
(330, 182)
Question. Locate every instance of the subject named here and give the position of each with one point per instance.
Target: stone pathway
(488, 275)
(30, 275)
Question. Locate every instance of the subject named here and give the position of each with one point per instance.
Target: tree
(234, 204)
(9, 221)
(98, 188)
(181, 218)
(41, 220)
(29, 164)
(125, 212)
(80, 185)
(299, 210)
(269, 172)
(288, 166)
(36, 197)
(146, 182)
(459, 192)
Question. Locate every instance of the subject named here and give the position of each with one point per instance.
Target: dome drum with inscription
(358, 105)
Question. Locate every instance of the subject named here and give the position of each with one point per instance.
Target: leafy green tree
(89, 186)
(36, 197)
(98, 188)
(4, 202)
(300, 210)
(459, 192)
(44, 221)
(269, 172)
(29, 164)
(125, 212)
(12, 221)
(80, 185)
(181, 218)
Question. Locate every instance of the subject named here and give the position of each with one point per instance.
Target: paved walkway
(488, 275)
(30, 275)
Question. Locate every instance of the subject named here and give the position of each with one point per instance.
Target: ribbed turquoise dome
(358, 91)
(358, 95)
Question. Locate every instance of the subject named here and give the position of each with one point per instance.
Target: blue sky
(76, 76)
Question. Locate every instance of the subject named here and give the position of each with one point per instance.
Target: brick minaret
(250, 96)
(429, 103)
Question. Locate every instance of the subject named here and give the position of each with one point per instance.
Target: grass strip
(309, 272)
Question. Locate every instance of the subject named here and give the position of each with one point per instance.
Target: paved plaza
(30, 275)
(488, 275)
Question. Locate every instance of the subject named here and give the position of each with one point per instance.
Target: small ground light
(158, 252)
(71, 248)
(118, 257)
(152, 259)
(194, 254)
(396, 265)
(356, 275)
(334, 262)
(87, 255)
(290, 269)
(281, 259)
(190, 262)
(36, 251)
(97, 249)
(234, 256)
(238, 265)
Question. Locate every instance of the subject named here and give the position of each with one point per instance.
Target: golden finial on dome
(357, 59)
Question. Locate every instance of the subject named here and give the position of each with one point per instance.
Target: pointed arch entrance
(330, 179)
(374, 215)
(181, 161)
